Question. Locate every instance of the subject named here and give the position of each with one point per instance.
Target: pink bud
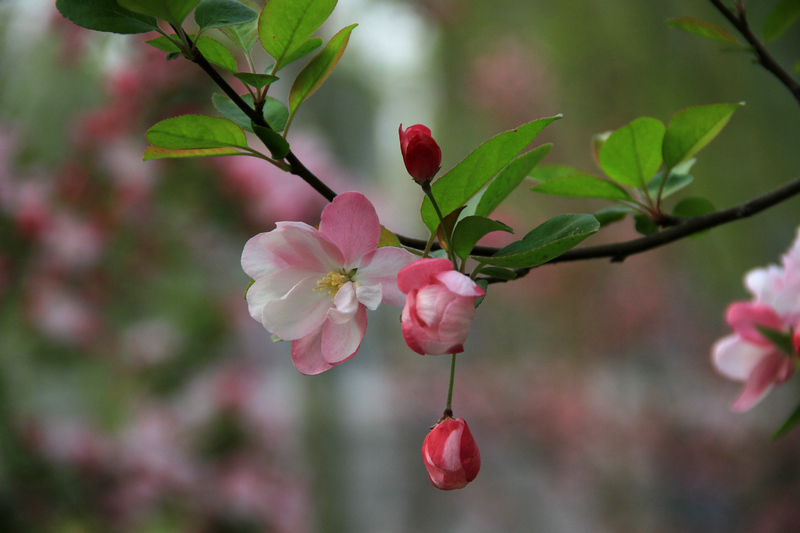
(421, 154)
(451, 455)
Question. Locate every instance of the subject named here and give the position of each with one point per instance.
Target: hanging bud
(451, 455)
(421, 154)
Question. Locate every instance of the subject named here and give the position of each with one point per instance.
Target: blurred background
(137, 394)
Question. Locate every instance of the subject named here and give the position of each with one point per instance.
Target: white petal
(382, 267)
(370, 295)
(345, 304)
(273, 287)
(257, 260)
(735, 358)
(298, 313)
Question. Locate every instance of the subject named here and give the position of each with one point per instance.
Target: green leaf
(781, 18)
(703, 29)
(483, 284)
(306, 48)
(388, 239)
(105, 15)
(318, 69)
(465, 179)
(156, 152)
(644, 224)
(508, 179)
(213, 50)
(244, 35)
(790, 423)
(675, 182)
(598, 140)
(216, 13)
(173, 11)
(582, 186)
(275, 113)
(692, 207)
(258, 81)
(781, 339)
(612, 214)
(472, 229)
(285, 25)
(693, 128)
(497, 272)
(632, 154)
(545, 242)
(188, 132)
(274, 141)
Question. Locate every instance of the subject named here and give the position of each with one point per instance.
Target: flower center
(333, 281)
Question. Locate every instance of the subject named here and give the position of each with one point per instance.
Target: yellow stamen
(331, 283)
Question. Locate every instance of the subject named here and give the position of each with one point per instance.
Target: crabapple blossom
(451, 455)
(440, 306)
(313, 286)
(421, 155)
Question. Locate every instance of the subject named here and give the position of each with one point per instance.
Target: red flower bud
(451, 455)
(421, 154)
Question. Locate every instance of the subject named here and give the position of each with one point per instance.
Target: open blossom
(747, 355)
(313, 287)
(421, 155)
(451, 455)
(440, 306)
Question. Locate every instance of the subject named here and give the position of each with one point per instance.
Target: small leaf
(188, 132)
(258, 81)
(105, 15)
(508, 179)
(465, 179)
(318, 69)
(703, 29)
(173, 11)
(472, 229)
(693, 128)
(244, 35)
(632, 154)
(483, 284)
(583, 186)
(693, 207)
(285, 25)
(790, 423)
(212, 50)
(612, 214)
(156, 152)
(781, 339)
(216, 13)
(450, 222)
(274, 141)
(499, 273)
(598, 140)
(545, 242)
(275, 113)
(675, 182)
(388, 239)
(644, 224)
(781, 18)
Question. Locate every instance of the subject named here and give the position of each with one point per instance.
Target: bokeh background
(137, 394)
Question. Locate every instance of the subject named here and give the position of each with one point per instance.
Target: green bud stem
(426, 188)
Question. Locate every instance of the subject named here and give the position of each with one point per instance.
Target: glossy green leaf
(105, 15)
(173, 11)
(465, 179)
(499, 273)
(285, 25)
(216, 13)
(692, 207)
(582, 186)
(612, 214)
(693, 128)
(703, 29)
(483, 284)
(675, 182)
(274, 141)
(644, 224)
(632, 154)
(306, 48)
(244, 35)
(470, 230)
(259, 81)
(791, 422)
(545, 242)
(275, 113)
(212, 50)
(781, 18)
(508, 179)
(318, 69)
(188, 132)
(156, 152)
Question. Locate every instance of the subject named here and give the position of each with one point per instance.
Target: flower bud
(421, 154)
(451, 455)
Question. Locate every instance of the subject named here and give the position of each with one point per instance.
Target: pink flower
(312, 287)
(439, 307)
(451, 455)
(421, 154)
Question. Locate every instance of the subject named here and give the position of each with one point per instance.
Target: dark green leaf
(318, 69)
(703, 29)
(790, 423)
(465, 179)
(499, 273)
(781, 339)
(285, 25)
(612, 214)
(675, 182)
(583, 186)
(692, 207)
(274, 141)
(472, 229)
(173, 11)
(214, 51)
(188, 132)
(781, 18)
(483, 284)
(545, 242)
(644, 224)
(216, 13)
(275, 113)
(258, 81)
(156, 152)
(693, 128)
(105, 15)
(508, 179)
(632, 154)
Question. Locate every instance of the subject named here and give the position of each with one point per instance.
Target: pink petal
(351, 223)
(345, 304)
(457, 321)
(419, 273)
(759, 383)
(298, 313)
(408, 325)
(735, 358)
(381, 267)
(340, 342)
(460, 284)
(307, 354)
(257, 260)
(743, 317)
(298, 244)
(273, 287)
